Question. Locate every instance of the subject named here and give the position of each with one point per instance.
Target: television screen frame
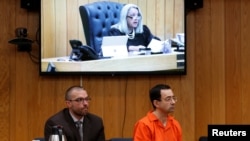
(78, 67)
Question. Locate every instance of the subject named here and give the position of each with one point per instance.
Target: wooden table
(156, 62)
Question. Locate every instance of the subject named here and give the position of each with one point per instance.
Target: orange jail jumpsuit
(149, 128)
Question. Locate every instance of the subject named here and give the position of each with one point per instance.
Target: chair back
(203, 138)
(97, 18)
(121, 139)
(39, 139)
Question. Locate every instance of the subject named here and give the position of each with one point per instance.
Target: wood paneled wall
(214, 91)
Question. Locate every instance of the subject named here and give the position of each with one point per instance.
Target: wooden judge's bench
(155, 62)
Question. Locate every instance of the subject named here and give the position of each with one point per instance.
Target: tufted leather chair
(97, 18)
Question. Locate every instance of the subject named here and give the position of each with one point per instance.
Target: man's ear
(68, 103)
(156, 103)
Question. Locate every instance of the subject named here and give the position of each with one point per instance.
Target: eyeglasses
(81, 100)
(170, 99)
(138, 17)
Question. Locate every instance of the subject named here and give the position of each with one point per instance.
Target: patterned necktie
(79, 127)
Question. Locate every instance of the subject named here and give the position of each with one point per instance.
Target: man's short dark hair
(155, 92)
(69, 90)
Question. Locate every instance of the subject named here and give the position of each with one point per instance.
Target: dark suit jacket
(93, 128)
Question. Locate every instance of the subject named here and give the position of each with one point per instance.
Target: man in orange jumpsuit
(159, 124)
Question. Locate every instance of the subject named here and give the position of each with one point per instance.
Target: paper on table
(156, 45)
(160, 46)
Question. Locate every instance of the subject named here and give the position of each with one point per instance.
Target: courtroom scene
(125, 70)
(104, 37)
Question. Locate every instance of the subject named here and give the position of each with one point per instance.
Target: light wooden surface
(157, 62)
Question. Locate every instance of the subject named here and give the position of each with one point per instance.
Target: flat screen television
(60, 23)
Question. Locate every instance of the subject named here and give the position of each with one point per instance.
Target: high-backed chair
(97, 18)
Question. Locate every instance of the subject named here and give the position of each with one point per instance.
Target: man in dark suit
(77, 101)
